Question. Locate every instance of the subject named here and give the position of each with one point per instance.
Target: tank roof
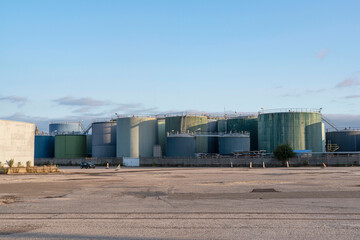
(71, 134)
(65, 122)
(181, 135)
(290, 110)
(104, 121)
(345, 130)
(235, 135)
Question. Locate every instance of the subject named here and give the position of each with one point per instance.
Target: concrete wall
(77, 161)
(245, 161)
(351, 160)
(17, 142)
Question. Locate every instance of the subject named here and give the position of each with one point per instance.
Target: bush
(19, 164)
(283, 152)
(11, 163)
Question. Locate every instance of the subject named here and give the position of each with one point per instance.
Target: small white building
(17, 142)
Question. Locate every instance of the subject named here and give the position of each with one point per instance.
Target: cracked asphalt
(182, 203)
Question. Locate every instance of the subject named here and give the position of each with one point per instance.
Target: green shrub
(11, 163)
(19, 164)
(283, 152)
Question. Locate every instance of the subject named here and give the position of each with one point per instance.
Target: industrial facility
(176, 136)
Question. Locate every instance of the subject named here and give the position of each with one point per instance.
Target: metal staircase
(87, 129)
(329, 122)
(331, 147)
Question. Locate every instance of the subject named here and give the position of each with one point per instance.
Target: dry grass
(28, 169)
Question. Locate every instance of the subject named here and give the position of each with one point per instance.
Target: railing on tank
(344, 129)
(283, 110)
(184, 114)
(135, 115)
(242, 115)
(64, 122)
(211, 134)
(67, 133)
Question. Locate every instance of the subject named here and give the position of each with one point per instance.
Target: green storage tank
(70, 146)
(161, 134)
(182, 124)
(301, 129)
(221, 126)
(245, 124)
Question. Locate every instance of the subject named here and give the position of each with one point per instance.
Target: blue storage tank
(180, 145)
(65, 128)
(44, 146)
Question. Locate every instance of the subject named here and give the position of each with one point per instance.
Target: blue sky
(89, 59)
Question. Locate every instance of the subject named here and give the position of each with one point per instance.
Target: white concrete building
(17, 142)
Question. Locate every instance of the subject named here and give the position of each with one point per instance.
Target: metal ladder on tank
(329, 122)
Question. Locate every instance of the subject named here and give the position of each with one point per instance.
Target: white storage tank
(136, 136)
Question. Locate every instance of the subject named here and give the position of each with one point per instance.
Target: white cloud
(15, 99)
(353, 96)
(349, 82)
(70, 101)
(322, 54)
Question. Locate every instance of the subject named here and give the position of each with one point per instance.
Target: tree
(283, 152)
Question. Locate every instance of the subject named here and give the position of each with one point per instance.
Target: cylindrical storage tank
(247, 124)
(104, 139)
(136, 136)
(89, 145)
(161, 135)
(235, 142)
(147, 137)
(315, 137)
(211, 125)
(180, 145)
(290, 127)
(70, 146)
(221, 126)
(212, 141)
(201, 144)
(213, 144)
(185, 124)
(346, 140)
(65, 128)
(44, 146)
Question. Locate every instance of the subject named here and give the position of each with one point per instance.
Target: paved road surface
(182, 203)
